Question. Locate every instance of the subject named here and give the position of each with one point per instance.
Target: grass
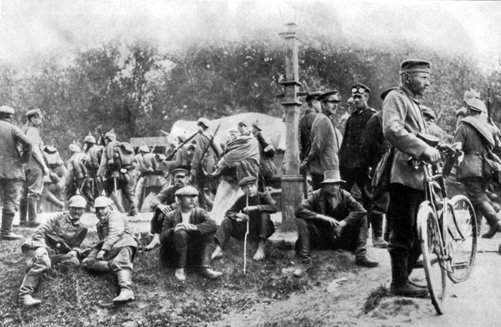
(374, 298)
(79, 298)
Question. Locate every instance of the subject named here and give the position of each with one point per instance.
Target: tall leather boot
(492, 219)
(23, 212)
(32, 213)
(30, 282)
(302, 248)
(125, 282)
(6, 232)
(376, 220)
(400, 285)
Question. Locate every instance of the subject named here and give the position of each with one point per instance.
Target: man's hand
(339, 228)
(190, 227)
(248, 209)
(100, 255)
(241, 217)
(333, 222)
(431, 155)
(164, 208)
(179, 226)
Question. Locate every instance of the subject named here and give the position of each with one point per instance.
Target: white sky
(30, 29)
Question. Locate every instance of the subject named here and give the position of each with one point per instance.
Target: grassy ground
(80, 298)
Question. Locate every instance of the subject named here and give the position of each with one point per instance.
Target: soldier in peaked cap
(57, 240)
(351, 159)
(187, 236)
(305, 123)
(402, 121)
(331, 219)
(477, 137)
(12, 172)
(35, 170)
(253, 206)
(116, 249)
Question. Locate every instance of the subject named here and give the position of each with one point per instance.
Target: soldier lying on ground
(187, 234)
(116, 249)
(60, 237)
(253, 207)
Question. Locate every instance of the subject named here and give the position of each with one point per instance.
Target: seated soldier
(187, 235)
(164, 203)
(331, 219)
(116, 248)
(253, 206)
(59, 237)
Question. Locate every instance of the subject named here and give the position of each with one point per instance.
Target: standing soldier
(478, 138)
(35, 170)
(305, 123)
(77, 172)
(204, 159)
(93, 154)
(11, 169)
(118, 172)
(54, 184)
(187, 236)
(267, 168)
(402, 120)
(61, 237)
(351, 158)
(116, 249)
(325, 141)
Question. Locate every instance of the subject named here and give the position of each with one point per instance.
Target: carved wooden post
(292, 181)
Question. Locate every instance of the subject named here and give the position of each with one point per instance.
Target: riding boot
(32, 213)
(124, 281)
(492, 219)
(23, 211)
(30, 282)
(6, 232)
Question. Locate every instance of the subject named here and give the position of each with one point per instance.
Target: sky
(32, 29)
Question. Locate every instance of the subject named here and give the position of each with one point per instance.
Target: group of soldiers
(336, 214)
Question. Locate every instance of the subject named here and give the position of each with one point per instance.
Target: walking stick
(246, 234)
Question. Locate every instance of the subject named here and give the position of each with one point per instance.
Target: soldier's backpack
(123, 155)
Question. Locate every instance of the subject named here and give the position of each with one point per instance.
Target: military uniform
(305, 124)
(93, 187)
(12, 172)
(56, 240)
(54, 183)
(77, 172)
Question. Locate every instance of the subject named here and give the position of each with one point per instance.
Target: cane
(246, 234)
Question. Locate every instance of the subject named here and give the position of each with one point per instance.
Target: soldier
(254, 207)
(164, 203)
(305, 123)
(56, 241)
(429, 117)
(325, 141)
(77, 172)
(267, 168)
(402, 120)
(187, 234)
(351, 158)
(35, 170)
(11, 169)
(116, 249)
(118, 175)
(331, 219)
(478, 138)
(204, 159)
(93, 153)
(54, 184)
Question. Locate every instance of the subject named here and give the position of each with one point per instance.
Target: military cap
(144, 149)
(313, 96)
(203, 122)
(34, 112)
(111, 135)
(74, 148)
(90, 139)
(6, 110)
(476, 105)
(179, 171)
(257, 126)
(330, 92)
(102, 202)
(428, 112)
(247, 181)
(359, 88)
(415, 66)
(471, 93)
(187, 191)
(233, 130)
(77, 201)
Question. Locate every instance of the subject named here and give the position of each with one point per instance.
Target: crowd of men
(337, 214)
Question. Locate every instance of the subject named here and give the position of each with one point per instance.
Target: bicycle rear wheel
(429, 235)
(462, 238)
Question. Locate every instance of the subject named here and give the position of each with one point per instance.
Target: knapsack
(122, 154)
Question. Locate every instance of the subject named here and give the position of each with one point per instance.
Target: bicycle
(447, 230)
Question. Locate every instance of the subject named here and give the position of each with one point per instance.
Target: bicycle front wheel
(429, 235)
(462, 238)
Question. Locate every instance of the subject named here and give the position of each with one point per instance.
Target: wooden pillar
(292, 181)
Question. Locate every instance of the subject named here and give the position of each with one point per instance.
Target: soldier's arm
(25, 142)
(37, 153)
(116, 227)
(47, 227)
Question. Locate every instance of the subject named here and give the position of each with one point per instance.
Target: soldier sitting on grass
(253, 206)
(60, 237)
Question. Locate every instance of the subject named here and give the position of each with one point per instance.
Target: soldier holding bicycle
(402, 120)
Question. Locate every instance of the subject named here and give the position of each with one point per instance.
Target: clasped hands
(186, 226)
(338, 225)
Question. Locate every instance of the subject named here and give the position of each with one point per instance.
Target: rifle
(173, 153)
(489, 114)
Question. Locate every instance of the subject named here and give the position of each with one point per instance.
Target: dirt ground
(333, 294)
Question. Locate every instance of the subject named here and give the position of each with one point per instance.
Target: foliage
(138, 88)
